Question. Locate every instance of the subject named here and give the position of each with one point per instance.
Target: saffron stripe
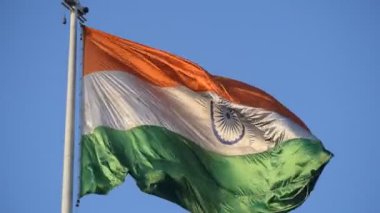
(104, 52)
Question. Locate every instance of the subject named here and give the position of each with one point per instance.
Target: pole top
(74, 5)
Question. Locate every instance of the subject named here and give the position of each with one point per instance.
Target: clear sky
(320, 58)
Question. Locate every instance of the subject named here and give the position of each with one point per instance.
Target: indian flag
(207, 143)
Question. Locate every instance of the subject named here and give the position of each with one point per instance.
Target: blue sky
(319, 58)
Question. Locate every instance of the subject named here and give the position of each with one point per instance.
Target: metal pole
(68, 156)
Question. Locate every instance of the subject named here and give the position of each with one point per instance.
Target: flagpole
(68, 155)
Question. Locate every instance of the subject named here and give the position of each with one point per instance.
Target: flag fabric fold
(207, 143)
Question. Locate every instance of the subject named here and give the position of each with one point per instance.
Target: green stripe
(170, 166)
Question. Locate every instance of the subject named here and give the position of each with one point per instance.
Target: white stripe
(122, 101)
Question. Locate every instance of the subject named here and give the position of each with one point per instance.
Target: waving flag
(207, 143)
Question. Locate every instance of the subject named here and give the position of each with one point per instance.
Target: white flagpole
(68, 155)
